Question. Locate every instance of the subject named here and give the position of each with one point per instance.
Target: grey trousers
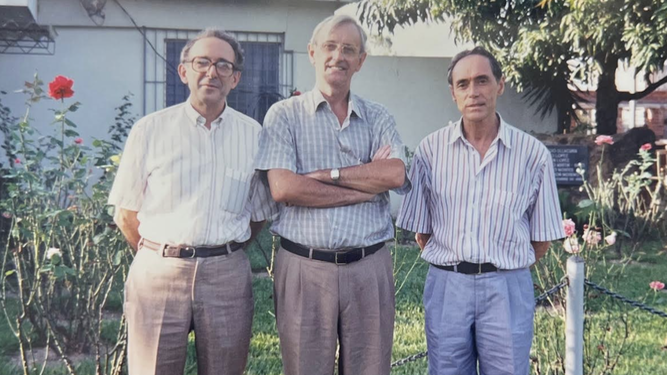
(164, 296)
(320, 305)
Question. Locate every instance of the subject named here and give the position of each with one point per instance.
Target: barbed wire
(538, 299)
(621, 298)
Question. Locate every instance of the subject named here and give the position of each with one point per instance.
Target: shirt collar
(198, 119)
(503, 132)
(354, 104)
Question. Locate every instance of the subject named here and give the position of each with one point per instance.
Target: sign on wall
(566, 160)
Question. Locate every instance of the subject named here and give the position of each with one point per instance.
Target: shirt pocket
(235, 190)
(504, 210)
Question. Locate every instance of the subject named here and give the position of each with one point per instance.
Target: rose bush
(62, 256)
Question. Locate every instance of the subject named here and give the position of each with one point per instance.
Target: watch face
(335, 174)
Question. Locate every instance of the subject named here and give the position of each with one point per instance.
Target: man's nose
(212, 71)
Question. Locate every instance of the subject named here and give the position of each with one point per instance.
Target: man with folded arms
(331, 158)
(484, 206)
(185, 195)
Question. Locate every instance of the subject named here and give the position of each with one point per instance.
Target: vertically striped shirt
(191, 185)
(302, 134)
(482, 210)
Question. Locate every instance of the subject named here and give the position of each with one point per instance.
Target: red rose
(78, 141)
(646, 147)
(61, 87)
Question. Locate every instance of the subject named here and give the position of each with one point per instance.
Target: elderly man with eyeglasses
(332, 158)
(187, 200)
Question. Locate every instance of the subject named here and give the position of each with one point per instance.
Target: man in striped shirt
(484, 206)
(187, 200)
(331, 158)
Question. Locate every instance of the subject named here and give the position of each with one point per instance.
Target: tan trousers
(165, 296)
(320, 304)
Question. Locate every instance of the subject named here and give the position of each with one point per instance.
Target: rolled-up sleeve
(262, 206)
(129, 184)
(545, 217)
(276, 144)
(414, 214)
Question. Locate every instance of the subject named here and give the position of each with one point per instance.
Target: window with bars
(258, 89)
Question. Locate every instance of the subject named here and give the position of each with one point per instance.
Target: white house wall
(106, 63)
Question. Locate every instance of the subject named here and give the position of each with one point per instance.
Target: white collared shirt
(192, 185)
(482, 210)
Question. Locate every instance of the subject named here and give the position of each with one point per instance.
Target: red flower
(17, 161)
(78, 141)
(61, 87)
(646, 147)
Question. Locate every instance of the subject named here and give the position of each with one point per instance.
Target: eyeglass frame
(211, 63)
(340, 47)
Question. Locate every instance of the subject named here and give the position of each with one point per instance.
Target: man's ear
(311, 53)
(182, 73)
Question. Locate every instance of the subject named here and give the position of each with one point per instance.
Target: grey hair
(222, 35)
(335, 21)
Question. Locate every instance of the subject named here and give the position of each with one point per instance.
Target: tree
(551, 48)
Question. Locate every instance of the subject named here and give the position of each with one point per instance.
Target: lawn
(644, 351)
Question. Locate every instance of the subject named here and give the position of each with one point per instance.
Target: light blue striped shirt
(482, 210)
(302, 134)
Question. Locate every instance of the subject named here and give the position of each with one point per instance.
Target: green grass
(643, 352)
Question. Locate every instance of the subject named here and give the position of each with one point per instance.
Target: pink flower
(6, 215)
(78, 141)
(592, 237)
(601, 139)
(571, 245)
(610, 239)
(17, 161)
(646, 147)
(656, 285)
(569, 227)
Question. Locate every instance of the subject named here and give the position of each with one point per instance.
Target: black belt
(180, 251)
(469, 268)
(338, 257)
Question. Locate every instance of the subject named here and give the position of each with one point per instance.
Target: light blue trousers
(484, 320)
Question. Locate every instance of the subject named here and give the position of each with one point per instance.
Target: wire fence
(546, 295)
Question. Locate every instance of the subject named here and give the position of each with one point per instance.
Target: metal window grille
(267, 76)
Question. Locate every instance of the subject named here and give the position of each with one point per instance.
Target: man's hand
(540, 249)
(129, 225)
(422, 239)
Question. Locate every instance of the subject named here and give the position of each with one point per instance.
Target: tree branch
(625, 96)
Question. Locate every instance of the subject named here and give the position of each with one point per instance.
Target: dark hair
(481, 51)
(222, 35)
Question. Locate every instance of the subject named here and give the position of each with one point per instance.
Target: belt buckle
(336, 259)
(479, 270)
(194, 251)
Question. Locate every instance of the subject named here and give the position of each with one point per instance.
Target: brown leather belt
(181, 251)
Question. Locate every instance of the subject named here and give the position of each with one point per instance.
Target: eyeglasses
(346, 50)
(224, 68)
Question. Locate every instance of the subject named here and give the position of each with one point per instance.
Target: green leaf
(9, 273)
(71, 133)
(585, 203)
(117, 258)
(56, 259)
(74, 107)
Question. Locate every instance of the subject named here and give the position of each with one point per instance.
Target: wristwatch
(335, 175)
